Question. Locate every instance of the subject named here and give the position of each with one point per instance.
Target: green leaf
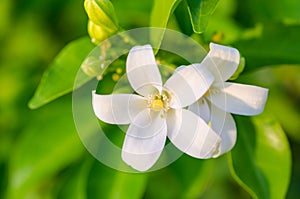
(195, 180)
(160, 181)
(200, 11)
(133, 9)
(59, 78)
(222, 28)
(108, 183)
(277, 44)
(160, 14)
(182, 16)
(273, 154)
(187, 177)
(74, 187)
(287, 113)
(283, 83)
(269, 10)
(48, 144)
(261, 159)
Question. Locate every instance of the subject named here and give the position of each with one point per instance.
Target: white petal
(146, 124)
(191, 134)
(142, 70)
(239, 98)
(201, 108)
(224, 125)
(142, 153)
(187, 85)
(118, 108)
(221, 61)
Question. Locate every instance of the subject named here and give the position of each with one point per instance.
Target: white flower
(156, 111)
(224, 97)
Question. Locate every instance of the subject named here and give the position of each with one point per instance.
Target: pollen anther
(157, 105)
(158, 102)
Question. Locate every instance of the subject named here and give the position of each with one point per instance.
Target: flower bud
(102, 13)
(96, 33)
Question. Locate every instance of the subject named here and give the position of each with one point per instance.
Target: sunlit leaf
(48, 144)
(261, 159)
(200, 11)
(273, 154)
(160, 14)
(107, 183)
(277, 44)
(59, 78)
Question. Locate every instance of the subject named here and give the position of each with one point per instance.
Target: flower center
(157, 105)
(158, 102)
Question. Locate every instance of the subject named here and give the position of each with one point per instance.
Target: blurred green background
(41, 155)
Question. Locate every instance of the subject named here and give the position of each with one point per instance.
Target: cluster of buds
(102, 19)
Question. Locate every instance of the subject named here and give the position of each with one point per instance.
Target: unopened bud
(102, 13)
(96, 33)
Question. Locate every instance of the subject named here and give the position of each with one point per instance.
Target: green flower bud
(102, 13)
(96, 33)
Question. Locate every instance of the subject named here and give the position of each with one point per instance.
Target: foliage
(41, 155)
(59, 79)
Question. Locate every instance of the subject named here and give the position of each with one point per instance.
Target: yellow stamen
(209, 124)
(207, 93)
(159, 102)
(157, 105)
